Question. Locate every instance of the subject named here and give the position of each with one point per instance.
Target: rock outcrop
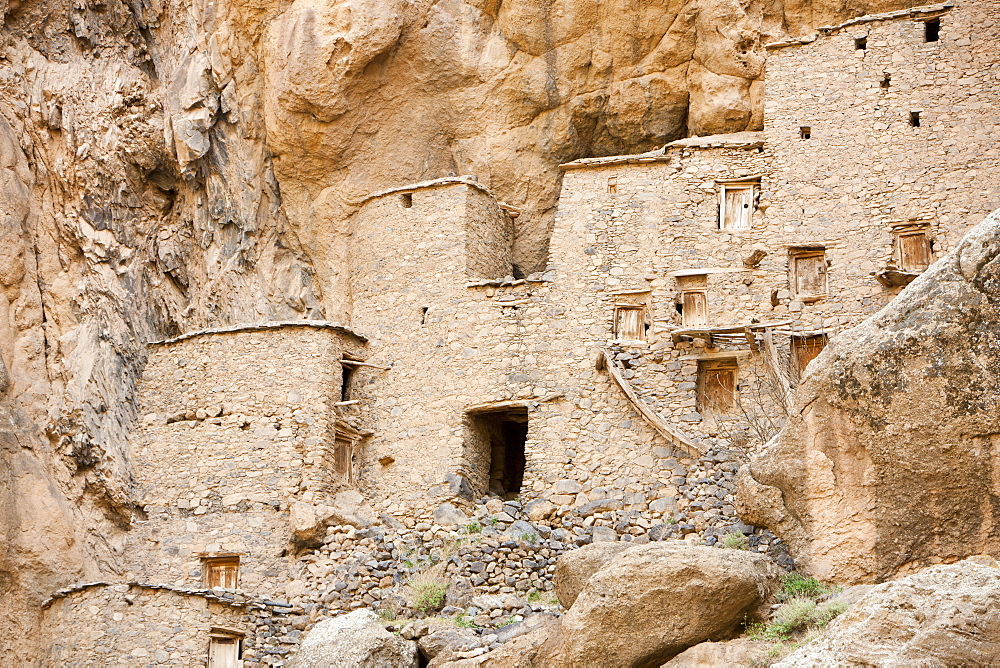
(354, 640)
(576, 567)
(941, 616)
(656, 600)
(890, 459)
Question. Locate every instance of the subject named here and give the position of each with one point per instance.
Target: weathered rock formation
(171, 165)
(890, 460)
(354, 639)
(941, 616)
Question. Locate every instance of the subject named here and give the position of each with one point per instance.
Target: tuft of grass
(493, 521)
(465, 622)
(427, 592)
(529, 537)
(735, 541)
(534, 596)
(387, 615)
(473, 527)
(796, 585)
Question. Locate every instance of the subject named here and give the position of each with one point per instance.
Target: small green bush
(735, 541)
(427, 593)
(473, 527)
(493, 521)
(534, 596)
(796, 585)
(465, 622)
(529, 537)
(828, 611)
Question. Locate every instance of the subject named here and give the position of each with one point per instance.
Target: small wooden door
(737, 208)
(809, 273)
(716, 386)
(343, 460)
(804, 350)
(630, 323)
(694, 308)
(914, 251)
(224, 652)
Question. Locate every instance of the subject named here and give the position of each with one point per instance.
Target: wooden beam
(359, 363)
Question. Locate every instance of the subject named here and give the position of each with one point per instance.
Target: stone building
(686, 292)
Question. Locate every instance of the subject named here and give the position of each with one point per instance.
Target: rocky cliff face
(169, 165)
(890, 460)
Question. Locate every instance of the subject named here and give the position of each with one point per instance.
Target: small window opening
(225, 650)
(613, 185)
(804, 350)
(886, 82)
(220, 572)
(630, 322)
(860, 43)
(407, 200)
(805, 132)
(932, 30)
(495, 450)
(716, 387)
(423, 315)
(915, 119)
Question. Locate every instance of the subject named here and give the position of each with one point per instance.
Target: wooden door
(914, 251)
(224, 652)
(343, 460)
(737, 208)
(694, 308)
(716, 387)
(804, 350)
(809, 273)
(630, 323)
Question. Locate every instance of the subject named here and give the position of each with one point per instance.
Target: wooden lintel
(498, 406)
(347, 362)
(751, 338)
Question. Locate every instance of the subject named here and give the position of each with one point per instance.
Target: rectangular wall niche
(630, 322)
(225, 650)
(737, 203)
(805, 348)
(221, 571)
(717, 386)
(807, 273)
(494, 450)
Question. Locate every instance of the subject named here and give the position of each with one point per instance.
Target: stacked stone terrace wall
(236, 426)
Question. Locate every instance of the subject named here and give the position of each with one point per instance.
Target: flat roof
(264, 326)
(747, 139)
(467, 180)
(824, 31)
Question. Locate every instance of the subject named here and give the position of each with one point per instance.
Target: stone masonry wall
(236, 426)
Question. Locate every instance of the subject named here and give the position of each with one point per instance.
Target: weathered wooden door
(694, 308)
(809, 273)
(343, 460)
(224, 652)
(737, 208)
(804, 350)
(630, 323)
(914, 251)
(716, 387)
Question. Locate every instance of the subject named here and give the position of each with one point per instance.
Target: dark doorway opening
(495, 450)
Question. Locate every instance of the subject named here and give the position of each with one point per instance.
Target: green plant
(735, 541)
(796, 585)
(387, 614)
(473, 527)
(427, 591)
(670, 520)
(534, 596)
(507, 622)
(529, 537)
(793, 616)
(827, 612)
(466, 622)
(493, 521)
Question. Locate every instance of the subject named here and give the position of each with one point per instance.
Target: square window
(860, 43)
(630, 323)
(220, 572)
(932, 30)
(613, 185)
(807, 273)
(717, 386)
(805, 132)
(804, 350)
(737, 202)
(913, 250)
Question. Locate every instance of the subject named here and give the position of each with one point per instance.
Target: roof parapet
(925, 10)
(261, 327)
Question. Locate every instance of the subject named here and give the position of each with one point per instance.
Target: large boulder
(738, 653)
(653, 601)
(575, 567)
(941, 616)
(889, 459)
(354, 640)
